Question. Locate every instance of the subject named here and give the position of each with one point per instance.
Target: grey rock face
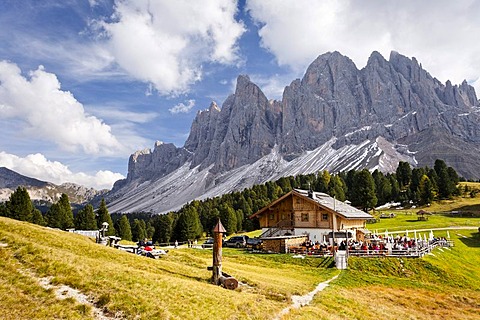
(164, 158)
(394, 99)
(246, 130)
(202, 134)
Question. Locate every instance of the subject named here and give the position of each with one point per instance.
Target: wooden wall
(281, 244)
(281, 211)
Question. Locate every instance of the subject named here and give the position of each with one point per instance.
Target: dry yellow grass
(176, 286)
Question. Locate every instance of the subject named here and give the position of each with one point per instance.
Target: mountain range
(337, 117)
(44, 193)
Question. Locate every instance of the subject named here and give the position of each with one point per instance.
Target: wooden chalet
(312, 214)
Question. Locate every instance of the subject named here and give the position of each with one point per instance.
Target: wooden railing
(410, 252)
(280, 225)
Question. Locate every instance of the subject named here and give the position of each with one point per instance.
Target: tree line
(364, 189)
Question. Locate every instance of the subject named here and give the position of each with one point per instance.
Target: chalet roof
(338, 206)
(324, 200)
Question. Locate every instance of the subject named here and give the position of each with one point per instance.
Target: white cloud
(39, 167)
(440, 34)
(182, 108)
(51, 114)
(121, 114)
(165, 42)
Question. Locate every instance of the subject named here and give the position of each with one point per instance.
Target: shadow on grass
(473, 207)
(473, 241)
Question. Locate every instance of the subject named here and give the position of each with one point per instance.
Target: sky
(86, 83)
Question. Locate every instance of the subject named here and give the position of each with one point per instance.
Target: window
(272, 216)
(304, 217)
(325, 216)
(283, 216)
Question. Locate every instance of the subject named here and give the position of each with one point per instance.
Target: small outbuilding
(423, 215)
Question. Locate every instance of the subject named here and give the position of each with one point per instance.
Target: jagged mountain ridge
(373, 117)
(42, 192)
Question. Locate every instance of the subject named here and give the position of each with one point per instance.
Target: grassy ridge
(177, 286)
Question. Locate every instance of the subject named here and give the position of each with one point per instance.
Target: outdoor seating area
(377, 245)
(397, 246)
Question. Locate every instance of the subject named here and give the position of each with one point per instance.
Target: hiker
(176, 244)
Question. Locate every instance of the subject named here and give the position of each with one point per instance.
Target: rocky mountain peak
(213, 107)
(335, 107)
(376, 59)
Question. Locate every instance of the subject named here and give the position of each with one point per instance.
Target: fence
(415, 252)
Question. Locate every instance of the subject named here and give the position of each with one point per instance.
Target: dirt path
(64, 292)
(300, 301)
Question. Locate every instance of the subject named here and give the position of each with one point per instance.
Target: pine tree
(228, 218)
(163, 225)
(124, 230)
(54, 216)
(350, 181)
(3, 210)
(364, 190)
(395, 193)
(239, 216)
(138, 230)
(37, 218)
(336, 188)
(446, 187)
(150, 230)
(383, 187)
(66, 211)
(322, 181)
(284, 184)
(20, 206)
(188, 225)
(104, 216)
(85, 219)
(80, 220)
(404, 174)
(426, 190)
(91, 222)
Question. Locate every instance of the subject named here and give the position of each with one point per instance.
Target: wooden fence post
(218, 232)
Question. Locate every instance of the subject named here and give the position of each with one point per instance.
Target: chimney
(310, 191)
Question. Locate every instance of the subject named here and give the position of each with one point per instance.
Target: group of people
(390, 244)
(375, 245)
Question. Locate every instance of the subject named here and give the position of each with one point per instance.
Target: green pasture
(406, 220)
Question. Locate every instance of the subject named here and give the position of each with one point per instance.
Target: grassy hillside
(177, 286)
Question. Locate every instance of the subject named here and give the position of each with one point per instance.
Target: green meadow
(444, 285)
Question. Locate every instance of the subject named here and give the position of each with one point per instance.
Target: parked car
(254, 243)
(208, 243)
(236, 242)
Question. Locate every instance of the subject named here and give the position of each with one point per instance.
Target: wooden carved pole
(218, 232)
